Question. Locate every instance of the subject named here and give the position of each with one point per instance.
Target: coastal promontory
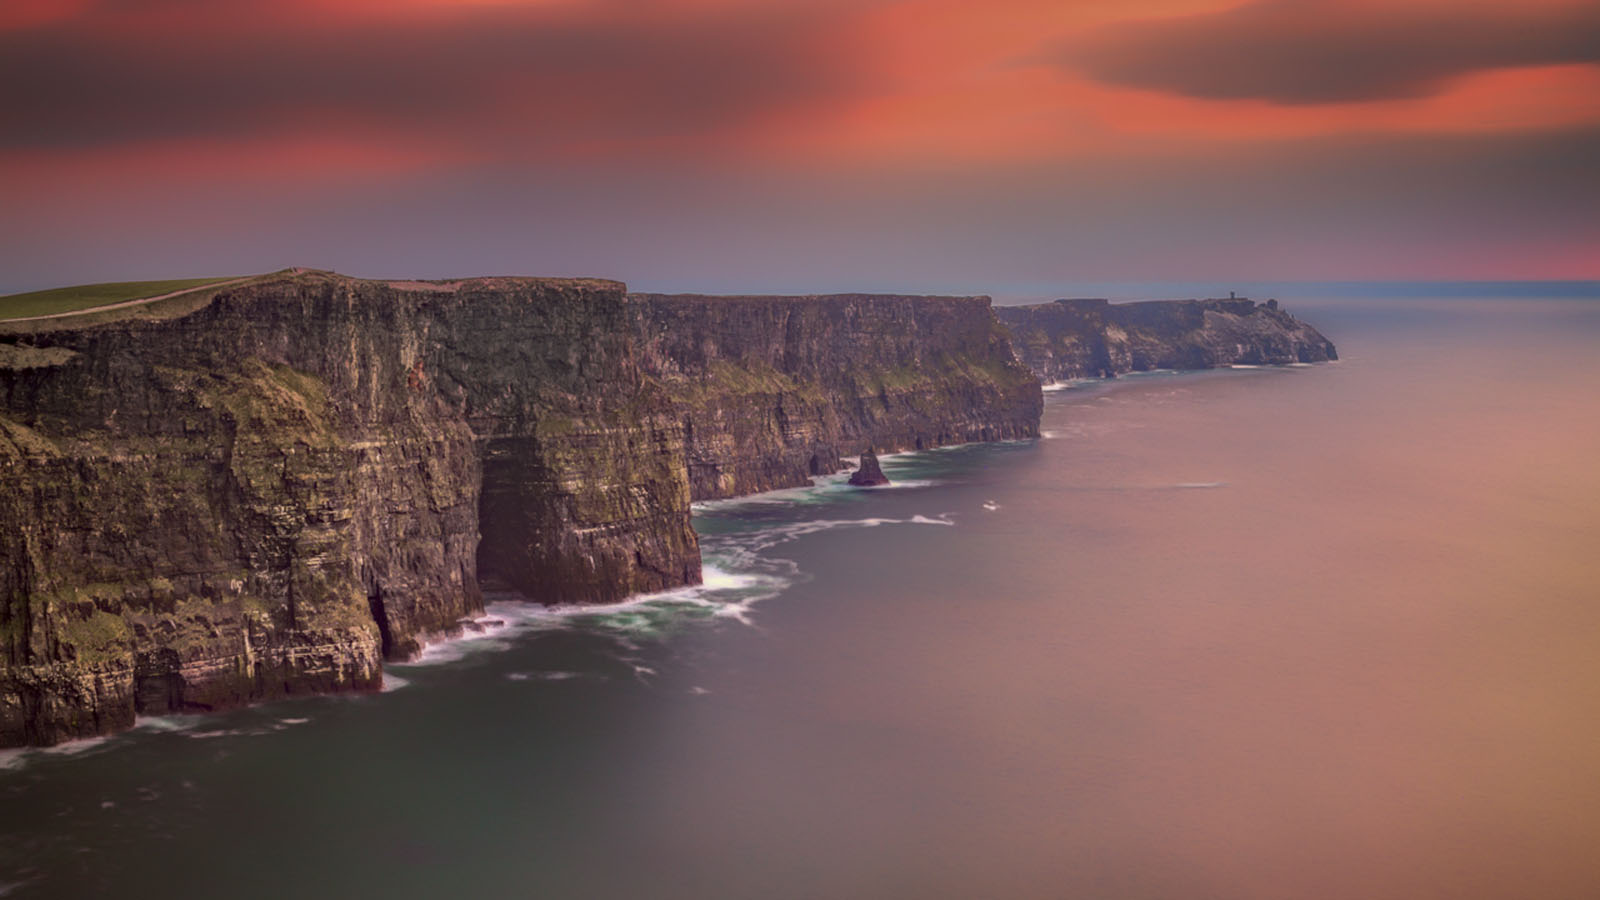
(268, 486)
(1071, 339)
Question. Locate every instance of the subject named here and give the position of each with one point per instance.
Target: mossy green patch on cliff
(18, 441)
(266, 399)
(941, 371)
(555, 425)
(897, 378)
(23, 356)
(725, 378)
(83, 631)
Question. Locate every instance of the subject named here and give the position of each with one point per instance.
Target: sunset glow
(214, 103)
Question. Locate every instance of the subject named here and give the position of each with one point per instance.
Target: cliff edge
(268, 488)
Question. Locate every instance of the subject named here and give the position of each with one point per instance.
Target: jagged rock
(869, 475)
(268, 490)
(1088, 338)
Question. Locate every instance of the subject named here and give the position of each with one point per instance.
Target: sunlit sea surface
(1311, 632)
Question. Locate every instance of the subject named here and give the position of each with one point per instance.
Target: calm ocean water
(1326, 632)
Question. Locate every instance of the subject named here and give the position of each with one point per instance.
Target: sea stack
(869, 474)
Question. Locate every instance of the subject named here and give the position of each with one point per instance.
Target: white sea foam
(1243, 366)
(722, 593)
(74, 747)
(781, 534)
(456, 647)
(171, 722)
(825, 488)
(817, 492)
(990, 505)
(715, 579)
(543, 676)
(245, 731)
(896, 483)
(18, 757)
(221, 732)
(1069, 384)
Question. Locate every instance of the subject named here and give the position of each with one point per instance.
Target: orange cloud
(787, 81)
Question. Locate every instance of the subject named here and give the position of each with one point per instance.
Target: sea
(1325, 631)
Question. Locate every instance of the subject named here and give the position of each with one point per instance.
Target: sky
(801, 145)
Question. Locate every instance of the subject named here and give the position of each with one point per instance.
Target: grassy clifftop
(88, 296)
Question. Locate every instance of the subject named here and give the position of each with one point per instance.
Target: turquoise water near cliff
(1317, 632)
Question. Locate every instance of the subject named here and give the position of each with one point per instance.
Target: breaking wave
(1069, 384)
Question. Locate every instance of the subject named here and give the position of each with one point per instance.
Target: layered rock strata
(269, 490)
(773, 390)
(1071, 339)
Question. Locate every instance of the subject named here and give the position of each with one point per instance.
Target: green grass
(89, 296)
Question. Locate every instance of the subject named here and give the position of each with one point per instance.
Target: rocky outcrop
(271, 489)
(773, 390)
(1094, 338)
(869, 473)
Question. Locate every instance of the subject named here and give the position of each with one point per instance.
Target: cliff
(773, 390)
(1094, 338)
(269, 488)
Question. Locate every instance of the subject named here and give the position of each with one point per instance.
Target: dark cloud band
(1329, 51)
(500, 75)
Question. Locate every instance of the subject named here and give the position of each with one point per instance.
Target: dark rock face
(869, 474)
(269, 493)
(1093, 338)
(773, 390)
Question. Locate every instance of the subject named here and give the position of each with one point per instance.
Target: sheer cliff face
(270, 493)
(773, 390)
(1093, 338)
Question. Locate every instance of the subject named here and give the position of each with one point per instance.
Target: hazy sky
(801, 144)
